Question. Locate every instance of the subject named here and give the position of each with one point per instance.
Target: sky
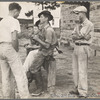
(26, 6)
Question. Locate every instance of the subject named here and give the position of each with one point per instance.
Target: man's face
(30, 31)
(80, 17)
(36, 30)
(40, 26)
(16, 13)
(43, 19)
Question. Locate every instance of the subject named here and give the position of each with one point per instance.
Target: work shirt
(48, 36)
(7, 26)
(87, 28)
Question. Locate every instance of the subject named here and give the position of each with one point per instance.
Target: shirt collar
(11, 16)
(45, 27)
(84, 22)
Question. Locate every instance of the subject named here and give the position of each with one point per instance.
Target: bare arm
(46, 45)
(32, 46)
(15, 42)
(48, 37)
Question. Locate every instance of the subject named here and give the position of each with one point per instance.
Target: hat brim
(50, 17)
(77, 12)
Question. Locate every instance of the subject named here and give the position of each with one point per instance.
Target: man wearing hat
(45, 53)
(82, 37)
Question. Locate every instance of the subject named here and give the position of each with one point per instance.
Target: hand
(28, 46)
(25, 45)
(87, 37)
(32, 35)
(74, 37)
(36, 38)
(81, 37)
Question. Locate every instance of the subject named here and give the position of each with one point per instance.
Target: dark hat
(37, 23)
(46, 13)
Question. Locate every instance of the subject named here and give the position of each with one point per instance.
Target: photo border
(51, 0)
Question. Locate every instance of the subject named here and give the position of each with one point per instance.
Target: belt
(79, 44)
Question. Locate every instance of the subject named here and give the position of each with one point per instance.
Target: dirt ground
(64, 80)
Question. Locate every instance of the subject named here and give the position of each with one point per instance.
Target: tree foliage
(29, 13)
(48, 5)
(45, 5)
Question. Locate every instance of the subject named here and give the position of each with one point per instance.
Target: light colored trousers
(50, 67)
(10, 63)
(29, 59)
(79, 65)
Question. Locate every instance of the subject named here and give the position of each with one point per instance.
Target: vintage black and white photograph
(49, 49)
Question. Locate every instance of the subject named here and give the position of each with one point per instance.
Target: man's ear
(47, 18)
(14, 11)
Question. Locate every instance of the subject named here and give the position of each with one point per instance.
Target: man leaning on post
(82, 37)
(10, 61)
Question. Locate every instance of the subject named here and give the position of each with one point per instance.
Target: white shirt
(87, 28)
(7, 26)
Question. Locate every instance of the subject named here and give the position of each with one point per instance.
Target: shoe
(74, 92)
(81, 96)
(38, 92)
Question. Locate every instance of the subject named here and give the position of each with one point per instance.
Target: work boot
(74, 91)
(81, 96)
